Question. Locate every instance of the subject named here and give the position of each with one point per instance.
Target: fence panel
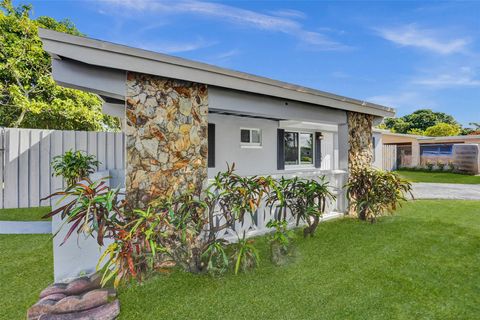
(26, 154)
(389, 157)
(2, 161)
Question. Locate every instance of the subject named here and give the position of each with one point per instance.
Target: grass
(419, 264)
(26, 268)
(24, 214)
(438, 177)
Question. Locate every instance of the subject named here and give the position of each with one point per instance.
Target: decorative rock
(39, 308)
(53, 289)
(89, 300)
(79, 299)
(54, 297)
(105, 312)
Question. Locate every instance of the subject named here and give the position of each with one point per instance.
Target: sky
(407, 55)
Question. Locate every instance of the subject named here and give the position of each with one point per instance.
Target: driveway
(446, 191)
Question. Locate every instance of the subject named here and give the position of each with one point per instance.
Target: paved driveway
(446, 191)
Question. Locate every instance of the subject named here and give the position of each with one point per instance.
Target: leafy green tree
(417, 132)
(443, 130)
(418, 121)
(29, 97)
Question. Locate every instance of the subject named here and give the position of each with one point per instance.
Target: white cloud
(428, 39)
(176, 47)
(465, 77)
(234, 15)
(289, 13)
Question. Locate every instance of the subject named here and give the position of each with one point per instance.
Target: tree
(29, 96)
(443, 130)
(418, 121)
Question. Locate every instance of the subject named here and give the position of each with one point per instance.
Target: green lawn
(26, 268)
(24, 214)
(438, 177)
(420, 264)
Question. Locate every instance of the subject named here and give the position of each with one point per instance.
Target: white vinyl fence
(389, 157)
(26, 154)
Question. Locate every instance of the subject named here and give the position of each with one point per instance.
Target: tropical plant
(245, 256)
(136, 248)
(373, 192)
(280, 241)
(215, 257)
(311, 198)
(73, 166)
(91, 208)
(305, 199)
(235, 196)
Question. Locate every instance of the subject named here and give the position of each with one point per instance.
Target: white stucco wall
(258, 160)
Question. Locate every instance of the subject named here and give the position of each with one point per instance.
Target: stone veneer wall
(166, 136)
(360, 152)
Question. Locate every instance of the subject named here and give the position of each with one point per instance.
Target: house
(415, 150)
(186, 120)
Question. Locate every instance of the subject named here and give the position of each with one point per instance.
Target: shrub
(450, 166)
(373, 193)
(429, 165)
(440, 166)
(245, 255)
(305, 199)
(73, 166)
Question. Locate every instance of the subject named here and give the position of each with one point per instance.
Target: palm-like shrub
(73, 166)
(305, 199)
(373, 192)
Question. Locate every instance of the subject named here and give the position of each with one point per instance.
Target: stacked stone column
(166, 137)
(360, 152)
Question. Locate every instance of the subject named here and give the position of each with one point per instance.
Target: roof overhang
(119, 57)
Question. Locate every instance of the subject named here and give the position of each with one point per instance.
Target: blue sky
(407, 55)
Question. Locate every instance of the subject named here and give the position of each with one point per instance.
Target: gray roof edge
(55, 36)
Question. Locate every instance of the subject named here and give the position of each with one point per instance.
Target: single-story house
(184, 121)
(416, 150)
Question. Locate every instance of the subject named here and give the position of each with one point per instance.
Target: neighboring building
(414, 150)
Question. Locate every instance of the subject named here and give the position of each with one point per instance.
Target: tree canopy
(29, 97)
(418, 121)
(443, 130)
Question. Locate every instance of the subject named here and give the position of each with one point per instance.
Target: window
(436, 150)
(250, 137)
(298, 149)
